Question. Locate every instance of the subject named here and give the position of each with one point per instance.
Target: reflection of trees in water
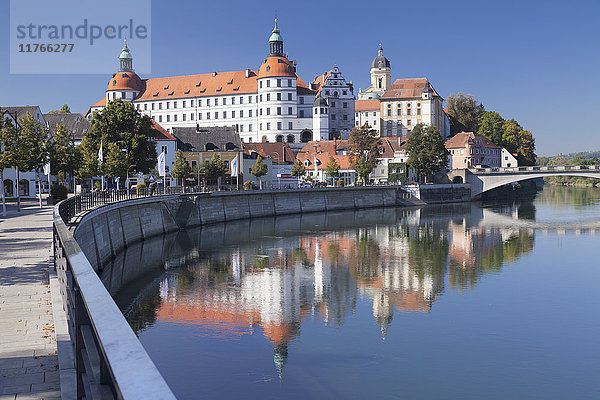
(364, 255)
(428, 253)
(143, 315)
(490, 251)
(568, 197)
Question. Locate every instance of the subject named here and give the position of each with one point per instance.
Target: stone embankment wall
(104, 232)
(440, 193)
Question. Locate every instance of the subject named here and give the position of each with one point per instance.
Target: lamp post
(278, 170)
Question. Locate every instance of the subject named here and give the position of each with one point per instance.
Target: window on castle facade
(278, 96)
(278, 110)
(278, 82)
(289, 110)
(279, 126)
(174, 104)
(168, 104)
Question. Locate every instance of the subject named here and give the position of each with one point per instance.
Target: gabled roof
(320, 81)
(20, 111)
(409, 88)
(391, 146)
(73, 122)
(160, 133)
(367, 105)
(280, 153)
(461, 139)
(219, 138)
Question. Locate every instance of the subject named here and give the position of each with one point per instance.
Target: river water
(465, 301)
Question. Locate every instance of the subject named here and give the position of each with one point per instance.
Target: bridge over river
(486, 179)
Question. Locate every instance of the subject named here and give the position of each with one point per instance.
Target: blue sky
(535, 61)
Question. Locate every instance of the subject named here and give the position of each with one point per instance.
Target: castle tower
(277, 98)
(125, 84)
(320, 119)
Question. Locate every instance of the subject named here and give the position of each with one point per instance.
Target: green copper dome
(275, 36)
(125, 52)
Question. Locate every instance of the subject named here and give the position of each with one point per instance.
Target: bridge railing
(110, 361)
(534, 168)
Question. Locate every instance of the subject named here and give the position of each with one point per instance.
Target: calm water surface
(467, 301)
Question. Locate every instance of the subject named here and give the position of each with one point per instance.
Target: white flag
(100, 156)
(47, 169)
(161, 164)
(234, 166)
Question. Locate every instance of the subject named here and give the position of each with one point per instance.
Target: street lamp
(278, 170)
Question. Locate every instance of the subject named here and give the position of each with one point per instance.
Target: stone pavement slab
(28, 360)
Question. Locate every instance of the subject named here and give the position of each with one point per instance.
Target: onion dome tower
(125, 84)
(277, 97)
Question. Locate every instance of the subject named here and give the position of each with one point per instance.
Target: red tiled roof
(460, 140)
(391, 145)
(125, 81)
(280, 153)
(319, 81)
(324, 149)
(407, 88)
(367, 105)
(276, 66)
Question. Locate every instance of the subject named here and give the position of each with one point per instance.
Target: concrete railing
(110, 362)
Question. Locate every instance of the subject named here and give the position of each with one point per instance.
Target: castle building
(269, 105)
(400, 105)
(339, 95)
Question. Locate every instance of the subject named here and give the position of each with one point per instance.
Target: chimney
(247, 72)
(215, 73)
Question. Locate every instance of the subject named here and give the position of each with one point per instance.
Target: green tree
(116, 162)
(298, 169)
(63, 110)
(259, 169)
(364, 149)
(31, 150)
(510, 135)
(214, 168)
(121, 124)
(65, 157)
(526, 149)
(332, 168)
(465, 109)
(181, 169)
(426, 151)
(491, 126)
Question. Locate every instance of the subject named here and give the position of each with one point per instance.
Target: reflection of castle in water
(271, 286)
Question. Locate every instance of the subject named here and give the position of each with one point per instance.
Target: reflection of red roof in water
(227, 319)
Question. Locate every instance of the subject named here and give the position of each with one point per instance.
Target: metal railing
(74, 205)
(110, 361)
(535, 168)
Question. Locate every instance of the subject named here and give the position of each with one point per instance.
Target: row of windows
(408, 112)
(336, 93)
(290, 97)
(232, 114)
(476, 151)
(367, 114)
(333, 105)
(278, 83)
(184, 103)
(374, 123)
(279, 126)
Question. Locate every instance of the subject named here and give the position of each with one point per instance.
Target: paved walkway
(28, 359)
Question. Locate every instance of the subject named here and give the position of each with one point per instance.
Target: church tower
(381, 72)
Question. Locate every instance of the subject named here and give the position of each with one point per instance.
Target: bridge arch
(484, 181)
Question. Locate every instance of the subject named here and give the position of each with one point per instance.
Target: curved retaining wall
(104, 232)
